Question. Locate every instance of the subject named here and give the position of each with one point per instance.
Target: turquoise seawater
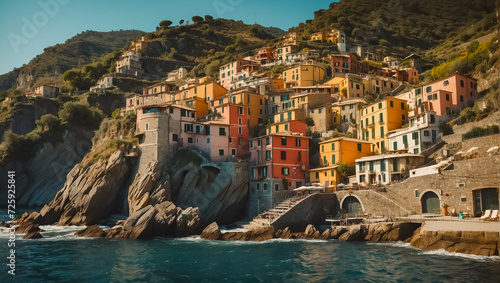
(63, 257)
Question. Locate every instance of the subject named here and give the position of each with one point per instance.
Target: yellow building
(378, 118)
(255, 103)
(335, 83)
(352, 87)
(203, 93)
(278, 83)
(317, 36)
(304, 75)
(332, 153)
(290, 115)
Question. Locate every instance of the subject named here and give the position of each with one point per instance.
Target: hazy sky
(28, 26)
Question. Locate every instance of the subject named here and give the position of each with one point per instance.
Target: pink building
(448, 95)
(228, 73)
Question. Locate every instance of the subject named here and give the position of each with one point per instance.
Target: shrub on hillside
(81, 115)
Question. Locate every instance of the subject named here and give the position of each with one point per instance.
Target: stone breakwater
(467, 242)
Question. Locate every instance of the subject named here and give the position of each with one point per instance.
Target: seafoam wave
(440, 252)
(51, 233)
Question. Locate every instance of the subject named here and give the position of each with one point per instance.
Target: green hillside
(75, 52)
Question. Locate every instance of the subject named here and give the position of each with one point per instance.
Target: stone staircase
(268, 217)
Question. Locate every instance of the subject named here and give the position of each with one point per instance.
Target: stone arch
(347, 198)
(430, 201)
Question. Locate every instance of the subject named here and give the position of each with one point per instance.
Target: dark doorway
(352, 206)
(430, 203)
(485, 199)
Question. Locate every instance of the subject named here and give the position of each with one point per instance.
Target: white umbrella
(495, 148)
(460, 152)
(472, 149)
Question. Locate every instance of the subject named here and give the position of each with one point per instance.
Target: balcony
(371, 125)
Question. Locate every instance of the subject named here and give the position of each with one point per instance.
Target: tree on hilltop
(208, 18)
(165, 24)
(197, 19)
(181, 22)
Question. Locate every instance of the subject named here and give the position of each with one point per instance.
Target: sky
(29, 26)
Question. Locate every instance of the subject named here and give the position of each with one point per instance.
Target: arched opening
(430, 203)
(352, 206)
(485, 199)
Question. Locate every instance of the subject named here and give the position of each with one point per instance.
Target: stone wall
(312, 210)
(375, 204)
(492, 119)
(454, 186)
(261, 200)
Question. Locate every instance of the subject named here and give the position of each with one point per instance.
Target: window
(361, 178)
(380, 105)
(382, 165)
(429, 97)
(208, 140)
(175, 137)
(190, 140)
(171, 110)
(435, 96)
(381, 132)
(240, 110)
(324, 160)
(461, 98)
(222, 131)
(381, 117)
(403, 118)
(333, 159)
(447, 97)
(221, 152)
(277, 129)
(395, 145)
(317, 175)
(332, 173)
(382, 146)
(258, 187)
(147, 126)
(323, 148)
(297, 142)
(333, 146)
(276, 187)
(402, 105)
(462, 84)
(428, 89)
(415, 150)
(268, 141)
(445, 83)
(284, 170)
(391, 103)
(283, 140)
(283, 155)
(426, 133)
(268, 155)
(373, 133)
(360, 165)
(371, 165)
(343, 107)
(433, 119)
(239, 121)
(251, 144)
(264, 173)
(359, 147)
(233, 152)
(240, 130)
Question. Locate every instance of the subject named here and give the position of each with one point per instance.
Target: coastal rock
(326, 234)
(337, 232)
(211, 232)
(310, 230)
(113, 232)
(93, 231)
(89, 193)
(284, 234)
(352, 234)
(219, 193)
(33, 235)
(27, 227)
(142, 186)
(187, 221)
(140, 224)
(467, 242)
(164, 218)
(260, 234)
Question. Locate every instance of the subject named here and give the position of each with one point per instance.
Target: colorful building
(347, 63)
(332, 153)
(386, 168)
(237, 116)
(448, 95)
(303, 75)
(255, 102)
(279, 163)
(130, 64)
(378, 118)
(282, 52)
(229, 72)
(422, 132)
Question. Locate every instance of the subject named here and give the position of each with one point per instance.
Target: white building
(130, 64)
(391, 62)
(386, 168)
(102, 84)
(178, 74)
(423, 131)
(46, 91)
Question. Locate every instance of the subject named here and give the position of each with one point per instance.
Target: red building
(347, 63)
(264, 55)
(237, 117)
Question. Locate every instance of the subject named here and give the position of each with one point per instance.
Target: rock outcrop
(211, 232)
(93, 231)
(187, 221)
(466, 242)
(89, 194)
(260, 234)
(33, 235)
(284, 234)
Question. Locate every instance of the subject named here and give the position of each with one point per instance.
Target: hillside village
(364, 123)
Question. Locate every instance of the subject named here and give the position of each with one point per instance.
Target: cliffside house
(45, 91)
(130, 64)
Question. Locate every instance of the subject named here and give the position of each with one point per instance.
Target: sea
(62, 257)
